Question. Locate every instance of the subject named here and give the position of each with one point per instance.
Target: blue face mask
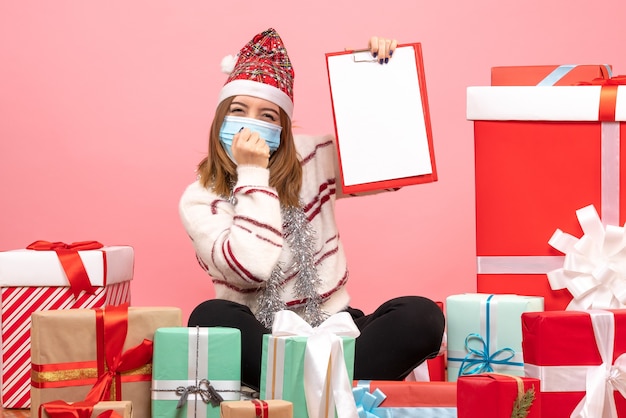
(233, 124)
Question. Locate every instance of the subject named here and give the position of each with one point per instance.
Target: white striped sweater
(239, 244)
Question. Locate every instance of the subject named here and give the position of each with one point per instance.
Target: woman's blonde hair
(219, 173)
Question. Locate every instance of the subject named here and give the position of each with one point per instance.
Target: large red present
(93, 355)
(53, 276)
(579, 358)
(541, 153)
(416, 399)
(547, 75)
(494, 395)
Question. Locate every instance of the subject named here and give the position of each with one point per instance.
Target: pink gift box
(36, 281)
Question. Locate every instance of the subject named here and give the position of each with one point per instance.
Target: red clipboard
(381, 152)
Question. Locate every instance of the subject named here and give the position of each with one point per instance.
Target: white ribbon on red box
(594, 270)
(599, 381)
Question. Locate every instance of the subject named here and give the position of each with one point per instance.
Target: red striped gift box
(32, 280)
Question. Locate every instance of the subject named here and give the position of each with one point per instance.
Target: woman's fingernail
(390, 53)
(241, 129)
(381, 61)
(386, 60)
(375, 54)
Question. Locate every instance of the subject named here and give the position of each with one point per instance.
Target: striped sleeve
(237, 240)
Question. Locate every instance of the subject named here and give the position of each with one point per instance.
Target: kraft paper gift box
(96, 354)
(395, 399)
(105, 409)
(547, 75)
(541, 153)
(485, 333)
(310, 367)
(257, 408)
(189, 364)
(579, 358)
(492, 395)
(36, 279)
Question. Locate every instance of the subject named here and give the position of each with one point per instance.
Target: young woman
(261, 217)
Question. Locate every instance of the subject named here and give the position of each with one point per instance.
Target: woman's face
(256, 108)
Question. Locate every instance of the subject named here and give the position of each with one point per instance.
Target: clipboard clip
(363, 55)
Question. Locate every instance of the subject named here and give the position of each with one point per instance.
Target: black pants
(395, 339)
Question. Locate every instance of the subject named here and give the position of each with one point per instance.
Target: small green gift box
(193, 368)
(314, 367)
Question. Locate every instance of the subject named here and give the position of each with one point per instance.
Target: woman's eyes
(269, 116)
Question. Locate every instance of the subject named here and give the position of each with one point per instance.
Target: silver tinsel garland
(300, 237)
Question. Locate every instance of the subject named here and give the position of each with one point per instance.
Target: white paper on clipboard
(379, 117)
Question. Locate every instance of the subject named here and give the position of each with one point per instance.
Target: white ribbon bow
(323, 357)
(594, 270)
(602, 380)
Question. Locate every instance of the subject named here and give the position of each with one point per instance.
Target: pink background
(105, 108)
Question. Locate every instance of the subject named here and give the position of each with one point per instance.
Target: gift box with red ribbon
(494, 395)
(541, 153)
(105, 409)
(579, 356)
(547, 75)
(49, 276)
(257, 408)
(384, 399)
(93, 355)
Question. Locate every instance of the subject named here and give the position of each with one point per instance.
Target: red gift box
(493, 395)
(41, 279)
(562, 347)
(412, 398)
(547, 75)
(541, 153)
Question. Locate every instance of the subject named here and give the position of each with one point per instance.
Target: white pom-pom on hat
(228, 64)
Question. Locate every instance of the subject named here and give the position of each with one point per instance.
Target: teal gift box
(283, 368)
(188, 365)
(484, 333)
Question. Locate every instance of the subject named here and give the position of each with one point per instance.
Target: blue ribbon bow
(366, 402)
(480, 360)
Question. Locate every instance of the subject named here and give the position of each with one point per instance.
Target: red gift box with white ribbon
(541, 153)
(579, 356)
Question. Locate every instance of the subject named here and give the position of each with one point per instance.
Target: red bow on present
(62, 409)
(71, 262)
(111, 330)
(608, 95)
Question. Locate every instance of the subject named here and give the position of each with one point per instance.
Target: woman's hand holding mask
(249, 148)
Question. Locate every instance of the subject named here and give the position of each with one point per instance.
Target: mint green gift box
(484, 333)
(282, 369)
(187, 361)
